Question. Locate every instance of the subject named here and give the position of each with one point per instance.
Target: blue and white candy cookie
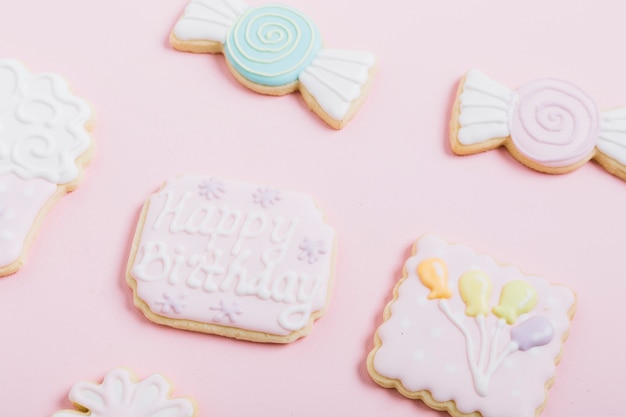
(276, 50)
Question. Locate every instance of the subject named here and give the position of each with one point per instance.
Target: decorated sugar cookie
(232, 258)
(120, 394)
(44, 144)
(469, 336)
(274, 49)
(549, 125)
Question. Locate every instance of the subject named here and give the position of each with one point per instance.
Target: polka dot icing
(450, 368)
(554, 123)
(271, 45)
(498, 333)
(418, 355)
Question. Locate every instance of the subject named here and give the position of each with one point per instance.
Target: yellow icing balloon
(475, 288)
(433, 273)
(516, 298)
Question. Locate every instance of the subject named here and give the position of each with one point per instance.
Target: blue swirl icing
(271, 45)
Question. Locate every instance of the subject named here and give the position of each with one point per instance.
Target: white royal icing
(612, 136)
(335, 79)
(208, 19)
(484, 109)
(42, 125)
(119, 395)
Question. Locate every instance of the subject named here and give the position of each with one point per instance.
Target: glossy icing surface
(554, 122)
(271, 45)
(336, 78)
(612, 137)
(233, 253)
(484, 109)
(550, 122)
(42, 125)
(42, 133)
(119, 395)
(208, 20)
(20, 203)
(472, 356)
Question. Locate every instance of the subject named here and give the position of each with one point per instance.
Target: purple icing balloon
(536, 331)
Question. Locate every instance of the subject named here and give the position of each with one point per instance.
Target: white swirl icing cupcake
(44, 145)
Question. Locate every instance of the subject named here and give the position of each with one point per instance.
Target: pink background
(384, 180)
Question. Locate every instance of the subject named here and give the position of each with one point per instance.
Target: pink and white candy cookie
(120, 394)
(44, 146)
(549, 125)
(232, 258)
(470, 336)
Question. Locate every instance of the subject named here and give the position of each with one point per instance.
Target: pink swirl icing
(554, 123)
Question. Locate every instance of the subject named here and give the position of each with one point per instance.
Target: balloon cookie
(44, 145)
(469, 336)
(121, 395)
(548, 125)
(276, 50)
(232, 258)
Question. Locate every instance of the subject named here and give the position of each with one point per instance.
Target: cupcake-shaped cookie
(44, 144)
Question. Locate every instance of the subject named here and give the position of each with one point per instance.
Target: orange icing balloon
(433, 273)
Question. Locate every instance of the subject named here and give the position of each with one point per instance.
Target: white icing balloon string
(480, 323)
(481, 371)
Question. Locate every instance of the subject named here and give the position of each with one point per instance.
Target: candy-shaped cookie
(44, 145)
(232, 258)
(274, 49)
(470, 336)
(549, 125)
(120, 394)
